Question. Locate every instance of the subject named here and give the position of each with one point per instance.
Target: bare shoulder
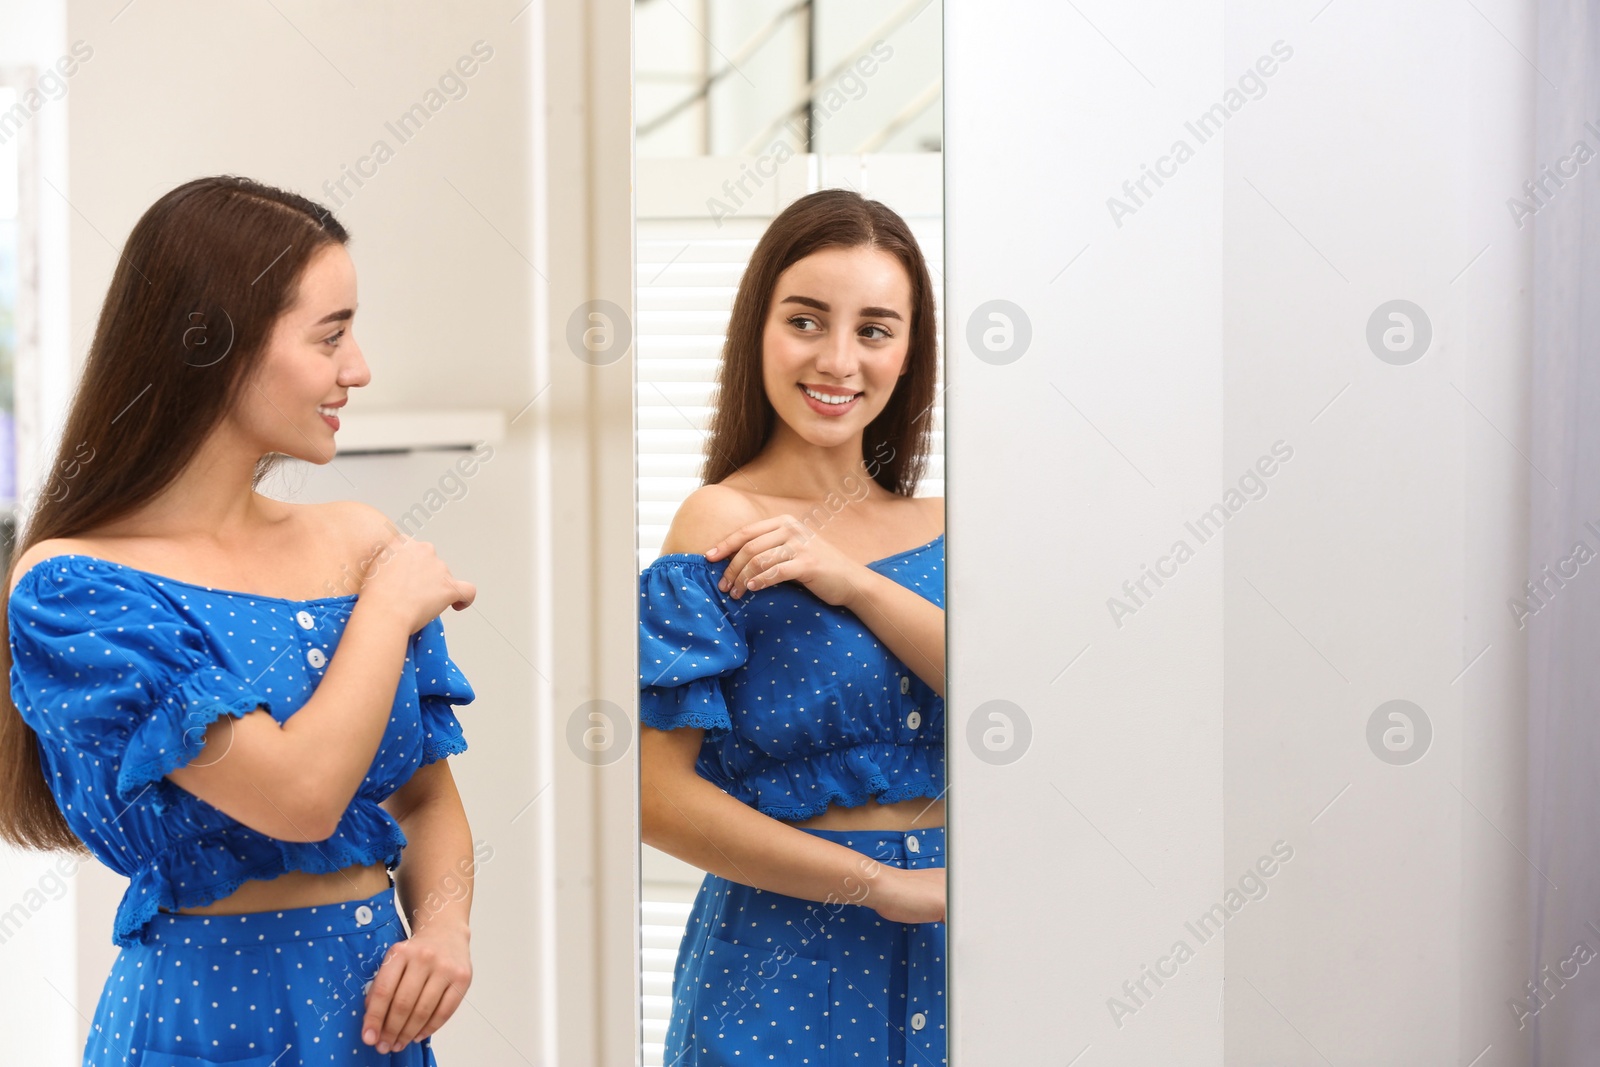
(359, 526)
(341, 536)
(328, 535)
(932, 510)
(706, 516)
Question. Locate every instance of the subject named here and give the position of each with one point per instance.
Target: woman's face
(835, 341)
(311, 362)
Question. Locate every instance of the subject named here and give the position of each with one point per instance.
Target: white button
(905, 683)
(366, 986)
(912, 845)
(363, 915)
(918, 1021)
(316, 658)
(304, 619)
(914, 720)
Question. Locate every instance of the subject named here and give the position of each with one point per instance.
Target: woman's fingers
(773, 575)
(743, 567)
(448, 1003)
(402, 1004)
(381, 992)
(764, 561)
(423, 1010)
(735, 540)
(420, 984)
(404, 991)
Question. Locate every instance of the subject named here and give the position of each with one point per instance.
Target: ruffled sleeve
(440, 684)
(100, 664)
(688, 641)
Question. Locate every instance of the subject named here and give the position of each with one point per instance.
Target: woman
(186, 704)
(792, 664)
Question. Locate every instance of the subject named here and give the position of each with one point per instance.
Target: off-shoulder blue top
(120, 671)
(801, 704)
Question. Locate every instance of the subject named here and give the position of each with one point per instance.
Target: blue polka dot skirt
(276, 988)
(764, 978)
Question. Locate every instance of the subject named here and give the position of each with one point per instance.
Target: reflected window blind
(687, 271)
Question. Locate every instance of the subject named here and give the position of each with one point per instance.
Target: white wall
(1392, 542)
(1080, 859)
(1229, 710)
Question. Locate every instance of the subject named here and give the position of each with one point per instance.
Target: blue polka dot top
(801, 704)
(120, 671)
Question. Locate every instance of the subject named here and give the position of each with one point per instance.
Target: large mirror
(789, 277)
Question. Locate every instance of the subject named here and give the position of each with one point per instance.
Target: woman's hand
(409, 581)
(908, 896)
(783, 549)
(421, 983)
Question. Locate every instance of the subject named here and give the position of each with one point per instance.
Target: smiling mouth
(827, 398)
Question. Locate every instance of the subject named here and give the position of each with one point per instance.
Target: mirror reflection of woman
(187, 702)
(792, 664)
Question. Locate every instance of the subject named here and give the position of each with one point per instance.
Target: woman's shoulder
(706, 516)
(341, 536)
(361, 528)
(356, 530)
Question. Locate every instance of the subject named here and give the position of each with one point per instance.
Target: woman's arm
(294, 781)
(783, 548)
(909, 624)
(686, 816)
(424, 979)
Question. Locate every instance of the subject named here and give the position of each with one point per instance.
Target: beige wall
(474, 240)
(37, 957)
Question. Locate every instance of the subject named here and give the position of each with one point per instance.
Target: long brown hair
(206, 272)
(743, 417)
